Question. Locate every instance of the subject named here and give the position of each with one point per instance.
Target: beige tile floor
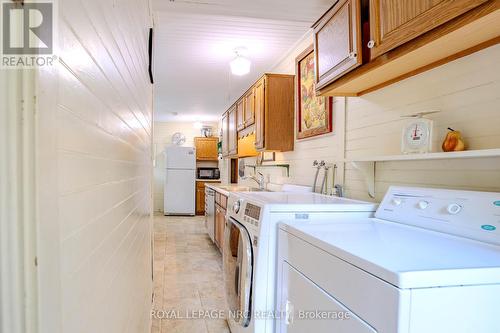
(187, 276)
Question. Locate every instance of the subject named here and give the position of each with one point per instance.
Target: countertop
(209, 180)
(227, 188)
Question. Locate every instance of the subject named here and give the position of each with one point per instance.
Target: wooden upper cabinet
(400, 39)
(240, 114)
(232, 132)
(259, 105)
(250, 107)
(225, 134)
(269, 117)
(395, 22)
(337, 41)
(206, 148)
(274, 112)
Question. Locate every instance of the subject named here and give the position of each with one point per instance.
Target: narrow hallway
(187, 277)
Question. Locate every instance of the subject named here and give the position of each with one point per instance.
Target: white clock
(417, 134)
(178, 139)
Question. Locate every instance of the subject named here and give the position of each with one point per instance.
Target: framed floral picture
(314, 114)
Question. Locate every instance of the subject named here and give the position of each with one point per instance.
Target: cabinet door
(240, 114)
(250, 108)
(232, 132)
(217, 225)
(395, 22)
(225, 134)
(220, 221)
(337, 42)
(200, 199)
(260, 102)
(206, 149)
(222, 227)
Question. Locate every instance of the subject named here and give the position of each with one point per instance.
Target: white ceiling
(194, 43)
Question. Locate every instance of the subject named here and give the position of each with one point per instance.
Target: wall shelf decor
(367, 165)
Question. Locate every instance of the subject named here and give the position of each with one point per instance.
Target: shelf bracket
(367, 169)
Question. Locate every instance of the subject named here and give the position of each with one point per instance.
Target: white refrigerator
(180, 181)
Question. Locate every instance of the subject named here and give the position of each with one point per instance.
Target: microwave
(208, 173)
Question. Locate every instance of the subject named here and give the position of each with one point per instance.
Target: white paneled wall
(467, 93)
(162, 138)
(98, 106)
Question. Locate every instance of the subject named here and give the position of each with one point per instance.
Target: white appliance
(210, 212)
(180, 181)
(429, 262)
(249, 248)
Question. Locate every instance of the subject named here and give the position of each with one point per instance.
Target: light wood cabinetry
(245, 110)
(200, 197)
(240, 114)
(220, 219)
(225, 134)
(259, 107)
(250, 108)
(220, 224)
(404, 38)
(206, 148)
(395, 22)
(337, 39)
(232, 132)
(246, 146)
(274, 113)
(268, 107)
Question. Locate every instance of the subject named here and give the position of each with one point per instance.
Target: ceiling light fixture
(240, 65)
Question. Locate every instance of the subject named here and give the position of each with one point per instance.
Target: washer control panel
(245, 212)
(469, 214)
(252, 214)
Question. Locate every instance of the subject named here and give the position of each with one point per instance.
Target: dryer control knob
(236, 206)
(423, 204)
(397, 201)
(454, 209)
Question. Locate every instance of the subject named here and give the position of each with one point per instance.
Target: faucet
(258, 179)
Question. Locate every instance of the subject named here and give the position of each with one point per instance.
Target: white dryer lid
(405, 256)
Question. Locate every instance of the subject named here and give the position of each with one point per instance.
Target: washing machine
(250, 248)
(429, 262)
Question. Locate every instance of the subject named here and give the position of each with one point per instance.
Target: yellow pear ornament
(453, 141)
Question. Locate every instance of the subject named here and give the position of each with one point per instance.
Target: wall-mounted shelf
(430, 156)
(284, 166)
(366, 165)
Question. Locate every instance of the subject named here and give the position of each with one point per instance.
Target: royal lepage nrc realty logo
(27, 34)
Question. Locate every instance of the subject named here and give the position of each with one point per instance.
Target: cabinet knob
(352, 55)
(371, 44)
